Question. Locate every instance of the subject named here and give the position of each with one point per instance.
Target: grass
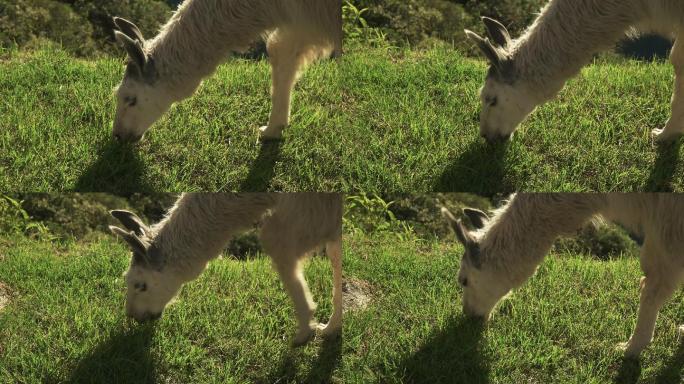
(65, 322)
(376, 120)
(418, 116)
(561, 327)
(56, 114)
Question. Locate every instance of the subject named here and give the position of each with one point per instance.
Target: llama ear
(137, 245)
(129, 29)
(495, 55)
(462, 234)
(131, 222)
(497, 32)
(472, 248)
(477, 217)
(134, 49)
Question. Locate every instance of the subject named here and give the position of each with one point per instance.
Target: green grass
(376, 120)
(56, 114)
(561, 327)
(65, 322)
(417, 114)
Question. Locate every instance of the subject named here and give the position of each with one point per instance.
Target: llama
(201, 34)
(506, 250)
(531, 70)
(177, 249)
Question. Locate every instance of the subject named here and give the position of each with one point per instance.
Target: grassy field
(561, 327)
(377, 120)
(65, 322)
(56, 115)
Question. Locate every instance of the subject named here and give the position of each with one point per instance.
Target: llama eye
(142, 287)
(493, 101)
(464, 282)
(131, 101)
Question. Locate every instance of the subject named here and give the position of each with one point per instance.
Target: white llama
(507, 249)
(201, 35)
(177, 249)
(531, 70)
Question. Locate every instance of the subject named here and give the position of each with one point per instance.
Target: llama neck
(200, 225)
(566, 36)
(527, 227)
(203, 33)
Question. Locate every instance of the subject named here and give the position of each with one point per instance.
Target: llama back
(323, 17)
(303, 221)
(317, 22)
(657, 216)
(664, 16)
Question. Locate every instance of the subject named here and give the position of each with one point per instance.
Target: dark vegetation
(79, 216)
(421, 23)
(82, 27)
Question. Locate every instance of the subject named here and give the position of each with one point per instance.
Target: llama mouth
(147, 317)
(497, 138)
(128, 139)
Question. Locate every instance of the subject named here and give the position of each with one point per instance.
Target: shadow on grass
(450, 355)
(480, 169)
(672, 371)
(263, 168)
(118, 169)
(660, 179)
(629, 372)
(320, 369)
(123, 358)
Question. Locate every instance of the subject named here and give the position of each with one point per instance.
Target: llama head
(142, 98)
(506, 98)
(483, 285)
(150, 284)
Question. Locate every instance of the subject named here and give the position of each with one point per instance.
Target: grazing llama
(531, 70)
(177, 249)
(506, 250)
(201, 35)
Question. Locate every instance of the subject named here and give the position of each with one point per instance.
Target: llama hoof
(303, 337)
(628, 350)
(662, 136)
(329, 330)
(270, 134)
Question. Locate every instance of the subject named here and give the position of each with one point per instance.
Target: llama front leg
(292, 276)
(334, 326)
(285, 57)
(655, 290)
(675, 126)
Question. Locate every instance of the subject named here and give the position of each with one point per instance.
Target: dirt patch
(357, 294)
(4, 296)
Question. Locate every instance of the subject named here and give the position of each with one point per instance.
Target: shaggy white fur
(507, 249)
(201, 35)
(533, 69)
(177, 249)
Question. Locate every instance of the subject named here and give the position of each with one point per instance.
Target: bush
(416, 21)
(15, 220)
(148, 15)
(516, 15)
(86, 217)
(24, 21)
(423, 22)
(82, 27)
